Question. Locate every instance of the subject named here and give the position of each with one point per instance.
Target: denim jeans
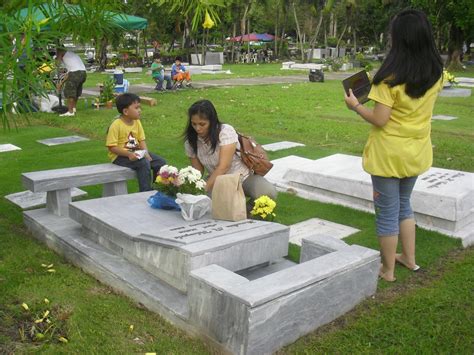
(392, 203)
(159, 82)
(143, 167)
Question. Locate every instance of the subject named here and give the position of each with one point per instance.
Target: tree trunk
(316, 34)
(455, 49)
(103, 54)
(232, 50)
(283, 29)
(340, 38)
(275, 42)
(298, 32)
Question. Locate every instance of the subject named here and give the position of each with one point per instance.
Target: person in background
(211, 146)
(73, 80)
(399, 145)
(158, 74)
(179, 73)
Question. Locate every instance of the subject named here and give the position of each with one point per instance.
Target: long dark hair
(206, 110)
(413, 58)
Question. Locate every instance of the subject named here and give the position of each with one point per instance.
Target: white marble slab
(62, 140)
(28, 199)
(273, 147)
(314, 226)
(8, 148)
(455, 92)
(444, 117)
(443, 200)
(462, 79)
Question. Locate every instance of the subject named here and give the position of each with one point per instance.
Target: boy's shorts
(73, 84)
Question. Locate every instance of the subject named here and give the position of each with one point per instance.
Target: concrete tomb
(455, 92)
(442, 199)
(8, 148)
(316, 226)
(444, 117)
(226, 281)
(273, 147)
(62, 140)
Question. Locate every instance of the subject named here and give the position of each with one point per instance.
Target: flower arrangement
(188, 180)
(449, 78)
(263, 208)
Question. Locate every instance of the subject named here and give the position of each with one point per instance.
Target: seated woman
(212, 146)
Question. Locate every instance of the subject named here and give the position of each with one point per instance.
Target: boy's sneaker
(67, 114)
(189, 85)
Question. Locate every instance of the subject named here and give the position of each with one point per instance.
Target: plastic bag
(193, 206)
(163, 202)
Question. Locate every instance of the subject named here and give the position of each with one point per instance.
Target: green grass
(424, 313)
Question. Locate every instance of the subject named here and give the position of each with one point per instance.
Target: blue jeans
(159, 82)
(143, 167)
(392, 203)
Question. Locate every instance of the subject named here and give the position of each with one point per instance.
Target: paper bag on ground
(228, 199)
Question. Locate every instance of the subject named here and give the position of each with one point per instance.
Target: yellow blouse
(401, 148)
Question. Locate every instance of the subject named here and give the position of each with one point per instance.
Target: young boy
(158, 74)
(126, 142)
(179, 73)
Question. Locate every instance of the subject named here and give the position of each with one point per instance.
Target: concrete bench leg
(57, 202)
(115, 188)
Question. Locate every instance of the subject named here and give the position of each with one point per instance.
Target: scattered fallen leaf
(63, 340)
(51, 270)
(46, 301)
(25, 306)
(130, 329)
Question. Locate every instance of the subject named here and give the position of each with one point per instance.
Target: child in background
(158, 74)
(179, 73)
(126, 142)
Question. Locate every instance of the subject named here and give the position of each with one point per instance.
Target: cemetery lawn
(237, 70)
(427, 312)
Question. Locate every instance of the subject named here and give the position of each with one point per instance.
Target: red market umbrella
(252, 37)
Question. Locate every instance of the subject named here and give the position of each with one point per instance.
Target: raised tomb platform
(227, 282)
(443, 199)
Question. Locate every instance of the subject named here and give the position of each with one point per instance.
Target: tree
(25, 38)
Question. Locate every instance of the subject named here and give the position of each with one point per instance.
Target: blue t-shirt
(175, 69)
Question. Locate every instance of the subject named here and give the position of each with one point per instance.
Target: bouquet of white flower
(188, 180)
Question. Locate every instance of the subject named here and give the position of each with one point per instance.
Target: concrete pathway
(230, 82)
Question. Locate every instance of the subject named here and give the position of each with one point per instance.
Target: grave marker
(62, 140)
(8, 148)
(273, 147)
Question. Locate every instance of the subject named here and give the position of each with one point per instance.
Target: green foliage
(107, 93)
(36, 29)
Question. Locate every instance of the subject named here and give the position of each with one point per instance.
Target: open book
(360, 85)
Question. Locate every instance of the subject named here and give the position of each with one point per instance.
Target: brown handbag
(253, 155)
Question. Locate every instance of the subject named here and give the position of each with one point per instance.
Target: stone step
(164, 244)
(442, 199)
(65, 237)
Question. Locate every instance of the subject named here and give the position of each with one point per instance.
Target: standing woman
(399, 145)
(212, 146)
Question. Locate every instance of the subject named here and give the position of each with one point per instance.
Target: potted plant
(107, 93)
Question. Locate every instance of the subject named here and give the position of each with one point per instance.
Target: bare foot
(383, 275)
(402, 262)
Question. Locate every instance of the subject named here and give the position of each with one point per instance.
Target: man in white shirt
(74, 79)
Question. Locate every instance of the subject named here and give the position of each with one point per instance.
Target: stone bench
(57, 183)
